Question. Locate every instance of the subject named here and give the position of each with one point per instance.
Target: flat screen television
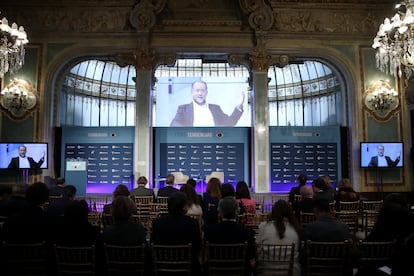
(12, 155)
(382, 154)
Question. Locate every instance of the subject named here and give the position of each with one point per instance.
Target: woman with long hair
(281, 228)
(211, 199)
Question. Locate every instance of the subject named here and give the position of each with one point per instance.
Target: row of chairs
(322, 258)
(359, 215)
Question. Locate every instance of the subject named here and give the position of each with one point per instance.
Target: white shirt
(382, 162)
(24, 162)
(202, 115)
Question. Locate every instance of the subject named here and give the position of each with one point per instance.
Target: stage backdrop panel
(109, 154)
(197, 152)
(313, 151)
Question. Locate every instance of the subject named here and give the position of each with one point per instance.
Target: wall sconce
(381, 98)
(18, 99)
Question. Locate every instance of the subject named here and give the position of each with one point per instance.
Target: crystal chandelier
(12, 43)
(394, 42)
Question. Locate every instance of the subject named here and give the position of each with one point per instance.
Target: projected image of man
(201, 113)
(382, 160)
(24, 162)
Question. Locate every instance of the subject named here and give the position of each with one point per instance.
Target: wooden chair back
(372, 255)
(350, 218)
(172, 259)
(125, 259)
(96, 203)
(348, 205)
(23, 259)
(327, 258)
(306, 218)
(275, 259)
(75, 259)
(226, 259)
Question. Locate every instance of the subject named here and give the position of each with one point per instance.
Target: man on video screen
(382, 160)
(201, 113)
(24, 162)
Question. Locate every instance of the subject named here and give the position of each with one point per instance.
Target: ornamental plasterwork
(344, 18)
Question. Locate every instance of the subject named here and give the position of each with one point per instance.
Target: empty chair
(275, 259)
(23, 259)
(72, 260)
(328, 258)
(172, 259)
(226, 259)
(219, 175)
(125, 259)
(372, 255)
(370, 210)
(180, 178)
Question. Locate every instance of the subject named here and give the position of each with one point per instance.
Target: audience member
(17, 203)
(57, 207)
(395, 222)
(6, 191)
(301, 181)
(211, 198)
(229, 231)
(345, 191)
(244, 198)
(177, 228)
(120, 190)
(124, 231)
(169, 188)
(75, 229)
(193, 183)
(326, 227)
(32, 224)
(193, 206)
(328, 187)
(306, 202)
(321, 190)
(281, 228)
(227, 189)
(57, 190)
(141, 189)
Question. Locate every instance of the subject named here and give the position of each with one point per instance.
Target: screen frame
(34, 149)
(365, 146)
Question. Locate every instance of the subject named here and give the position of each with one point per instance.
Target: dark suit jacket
(14, 163)
(374, 161)
(166, 191)
(231, 232)
(185, 116)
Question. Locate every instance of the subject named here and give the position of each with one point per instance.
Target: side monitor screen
(202, 102)
(23, 155)
(382, 155)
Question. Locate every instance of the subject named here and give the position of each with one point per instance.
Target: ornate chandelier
(12, 41)
(394, 42)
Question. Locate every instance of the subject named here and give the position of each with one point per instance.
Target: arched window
(98, 93)
(305, 94)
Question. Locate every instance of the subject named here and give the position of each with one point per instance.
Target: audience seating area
(275, 259)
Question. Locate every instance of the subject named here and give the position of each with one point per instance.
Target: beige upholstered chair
(180, 178)
(219, 175)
